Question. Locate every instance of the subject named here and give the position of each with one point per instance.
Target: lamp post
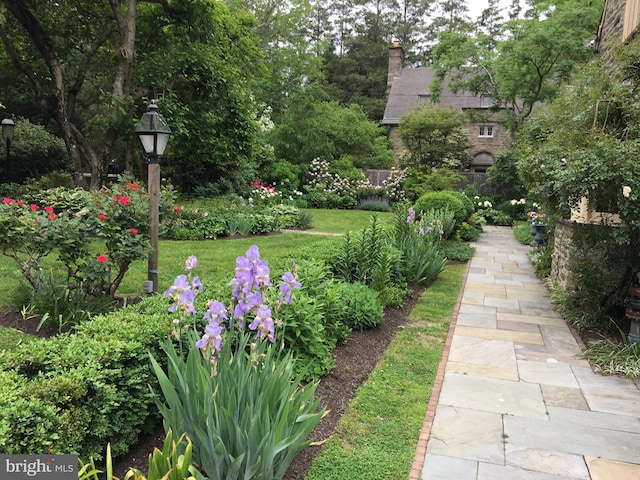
(7, 135)
(153, 132)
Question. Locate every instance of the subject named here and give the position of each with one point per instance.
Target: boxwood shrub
(73, 393)
(443, 200)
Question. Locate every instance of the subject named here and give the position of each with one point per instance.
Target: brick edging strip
(421, 449)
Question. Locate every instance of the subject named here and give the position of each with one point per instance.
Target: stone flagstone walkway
(513, 400)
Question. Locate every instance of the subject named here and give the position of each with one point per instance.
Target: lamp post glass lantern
(153, 132)
(7, 135)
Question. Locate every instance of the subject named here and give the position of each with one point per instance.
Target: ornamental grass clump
(235, 393)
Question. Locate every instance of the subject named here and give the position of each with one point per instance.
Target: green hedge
(74, 393)
(441, 201)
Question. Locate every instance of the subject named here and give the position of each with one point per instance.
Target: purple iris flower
(179, 285)
(412, 215)
(263, 323)
(191, 263)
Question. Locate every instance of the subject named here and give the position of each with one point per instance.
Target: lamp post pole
(7, 135)
(153, 132)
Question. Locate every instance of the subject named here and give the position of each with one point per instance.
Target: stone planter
(539, 233)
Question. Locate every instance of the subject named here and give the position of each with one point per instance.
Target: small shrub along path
(355, 360)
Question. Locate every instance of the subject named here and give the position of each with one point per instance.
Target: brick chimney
(396, 59)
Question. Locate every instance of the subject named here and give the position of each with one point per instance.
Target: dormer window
(486, 101)
(485, 131)
(423, 98)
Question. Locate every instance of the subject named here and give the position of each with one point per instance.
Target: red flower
(124, 200)
(133, 230)
(176, 208)
(101, 259)
(34, 207)
(102, 216)
(7, 200)
(52, 216)
(48, 209)
(103, 191)
(132, 186)
(20, 203)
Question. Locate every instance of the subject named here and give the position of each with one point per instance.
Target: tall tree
(292, 36)
(435, 138)
(410, 27)
(528, 65)
(360, 74)
(52, 45)
(76, 60)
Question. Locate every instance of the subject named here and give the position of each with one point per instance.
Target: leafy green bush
(84, 389)
(445, 200)
(192, 224)
(305, 336)
(362, 303)
(58, 304)
(377, 204)
(456, 251)
(118, 216)
(368, 257)
(523, 234)
(466, 200)
(469, 233)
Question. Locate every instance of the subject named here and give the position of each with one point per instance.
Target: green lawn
(215, 257)
(341, 221)
(378, 435)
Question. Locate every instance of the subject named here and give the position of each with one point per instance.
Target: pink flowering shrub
(117, 217)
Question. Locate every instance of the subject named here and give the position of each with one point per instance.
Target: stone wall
(563, 252)
(612, 23)
(491, 145)
(566, 254)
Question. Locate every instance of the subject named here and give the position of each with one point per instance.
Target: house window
(485, 131)
(631, 10)
(486, 101)
(423, 98)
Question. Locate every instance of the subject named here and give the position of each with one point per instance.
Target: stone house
(619, 23)
(409, 87)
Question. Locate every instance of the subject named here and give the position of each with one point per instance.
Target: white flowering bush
(322, 185)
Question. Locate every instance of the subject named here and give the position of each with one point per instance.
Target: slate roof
(412, 84)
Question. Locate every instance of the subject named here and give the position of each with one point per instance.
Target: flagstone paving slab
(493, 395)
(530, 318)
(603, 469)
(547, 373)
(439, 467)
(606, 421)
(564, 397)
(557, 435)
(549, 462)
(609, 394)
(541, 353)
(496, 334)
(496, 472)
(468, 434)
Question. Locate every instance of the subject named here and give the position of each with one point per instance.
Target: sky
(477, 6)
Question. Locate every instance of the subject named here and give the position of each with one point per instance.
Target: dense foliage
(586, 145)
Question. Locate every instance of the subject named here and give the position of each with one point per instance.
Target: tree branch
(17, 62)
